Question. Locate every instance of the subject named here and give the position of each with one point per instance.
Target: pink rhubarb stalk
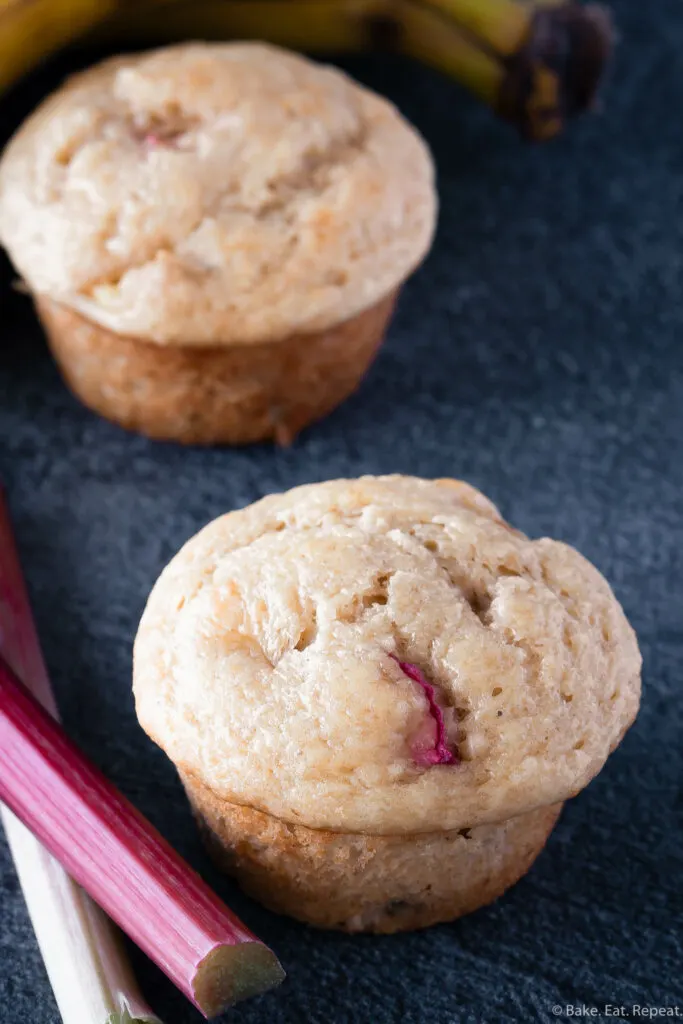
(87, 966)
(122, 861)
(439, 753)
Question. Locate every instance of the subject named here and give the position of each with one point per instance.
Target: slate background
(538, 355)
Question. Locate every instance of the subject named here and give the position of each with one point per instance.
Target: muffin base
(213, 394)
(367, 883)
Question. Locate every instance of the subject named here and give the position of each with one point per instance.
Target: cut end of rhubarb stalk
(556, 72)
(231, 973)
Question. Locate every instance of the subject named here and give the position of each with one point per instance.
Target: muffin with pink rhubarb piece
(215, 236)
(378, 696)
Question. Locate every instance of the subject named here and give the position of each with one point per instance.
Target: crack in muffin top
(268, 659)
(216, 193)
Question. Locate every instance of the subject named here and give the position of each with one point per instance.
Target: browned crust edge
(367, 883)
(217, 394)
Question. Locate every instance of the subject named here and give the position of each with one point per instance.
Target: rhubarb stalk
(81, 948)
(125, 865)
(122, 861)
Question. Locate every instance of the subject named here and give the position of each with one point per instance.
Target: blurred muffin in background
(215, 236)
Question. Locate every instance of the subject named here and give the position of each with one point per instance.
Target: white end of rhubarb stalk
(81, 948)
(90, 977)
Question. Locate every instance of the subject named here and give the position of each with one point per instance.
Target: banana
(534, 63)
(32, 29)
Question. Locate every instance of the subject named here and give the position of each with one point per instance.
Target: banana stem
(538, 63)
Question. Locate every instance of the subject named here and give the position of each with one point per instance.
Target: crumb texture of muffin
(224, 194)
(383, 656)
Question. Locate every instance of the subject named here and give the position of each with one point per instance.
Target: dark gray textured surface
(538, 355)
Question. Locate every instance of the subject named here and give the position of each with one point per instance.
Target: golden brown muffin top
(230, 193)
(384, 655)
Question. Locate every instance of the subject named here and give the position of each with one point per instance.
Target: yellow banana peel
(534, 63)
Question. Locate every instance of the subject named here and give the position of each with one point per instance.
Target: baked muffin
(378, 695)
(215, 236)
